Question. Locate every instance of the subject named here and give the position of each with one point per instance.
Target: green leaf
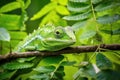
(61, 68)
(10, 22)
(106, 6)
(50, 71)
(113, 56)
(18, 35)
(106, 19)
(78, 25)
(96, 1)
(10, 6)
(86, 71)
(103, 62)
(108, 75)
(116, 32)
(6, 75)
(50, 18)
(59, 73)
(88, 34)
(107, 31)
(17, 65)
(78, 0)
(77, 7)
(21, 60)
(52, 60)
(4, 35)
(113, 32)
(27, 3)
(44, 10)
(40, 77)
(77, 16)
(63, 2)
(61, 22)
(68, 63)
(45, 69)
(62, 10)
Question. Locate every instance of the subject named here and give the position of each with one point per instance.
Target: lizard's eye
(59, 32)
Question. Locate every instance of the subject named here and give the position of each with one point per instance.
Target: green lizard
(47, 38)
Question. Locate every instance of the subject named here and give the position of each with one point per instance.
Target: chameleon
(47, 38)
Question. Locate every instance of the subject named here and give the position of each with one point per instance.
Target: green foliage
(78, 17)
(94, 14)
(9, 21)
(113, 56)
(4, 35)
(79, 0)
(49, 73)
(17, 65)
(106, 19)
(106, 6)
(9, 7)
(68, 63)
(102, 62)
(106, 75)
(12, 23)
(44, 10)
(85, 72)
(94, 22)
(52, 12)
(6, 75)
(52, 60)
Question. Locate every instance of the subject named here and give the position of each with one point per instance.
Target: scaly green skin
(47, 38)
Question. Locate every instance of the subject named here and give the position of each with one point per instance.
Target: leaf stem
(52, 74)
(93, 55)
(94, 16)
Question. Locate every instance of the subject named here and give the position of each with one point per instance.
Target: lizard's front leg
(33, 44)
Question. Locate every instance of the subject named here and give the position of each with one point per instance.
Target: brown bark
(69, 50)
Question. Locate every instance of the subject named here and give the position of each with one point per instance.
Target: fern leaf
(88, 34)
(6, 75)
(116, 32)
(77, 7)
(62, 10)
(78, 25)
(96, 1)
(106, 6)
(63, 2)
(78, 0)
(107, 31)
(106, 19)
(4, 35)
(27, 3)
(49, 18)
(44, 11)
(18, 35)
(78, 16)
(10, 6)
(17, 65)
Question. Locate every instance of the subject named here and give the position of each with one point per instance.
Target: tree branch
(69, 50)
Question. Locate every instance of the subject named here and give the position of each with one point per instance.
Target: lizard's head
(56, 38)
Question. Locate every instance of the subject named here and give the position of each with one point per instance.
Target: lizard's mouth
(56, 44)
(60, 41)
